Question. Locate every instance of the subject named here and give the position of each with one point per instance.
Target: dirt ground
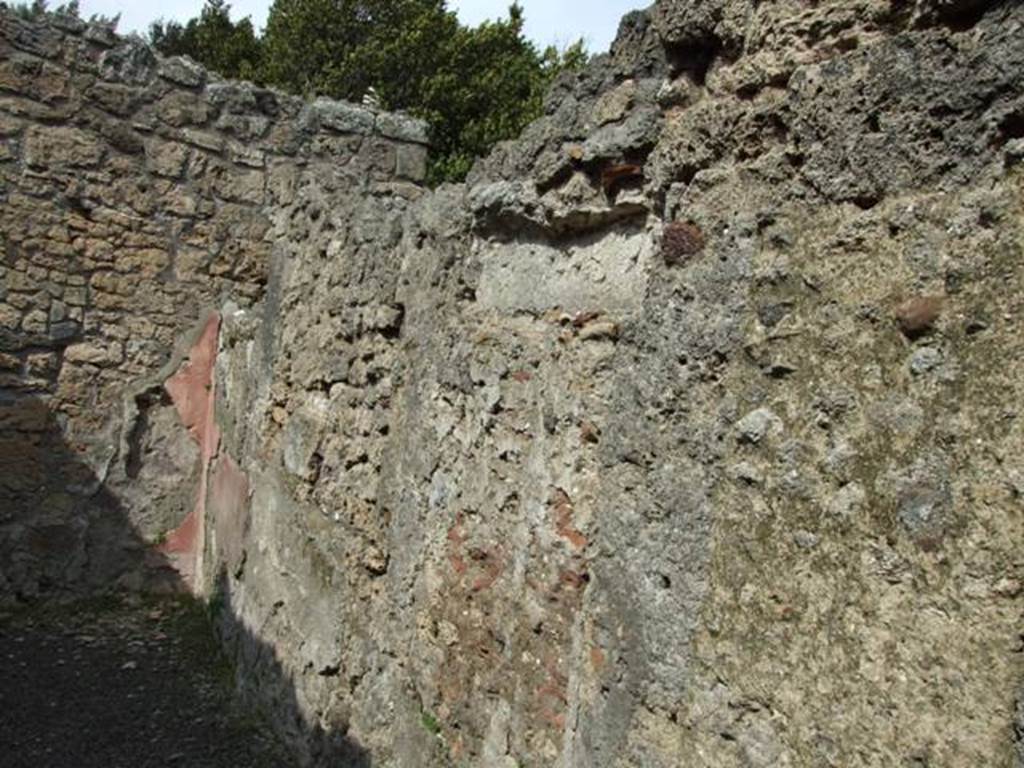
(122, 684)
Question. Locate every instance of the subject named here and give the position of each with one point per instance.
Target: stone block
(183, 71)
(98, 353)
(39, 80)
(117, 99)
(60, 146)
(411, 162)
(244, 127)
(10, 318)
(166, 158)
(343, 118)
(204, 140)
(402, 128)
(35, 321)
(233, 97)
(133, 63)
(241, 186)
(180, 109)
(10, 125)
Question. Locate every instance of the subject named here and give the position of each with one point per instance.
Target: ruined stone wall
(137, 196)
(685, 432)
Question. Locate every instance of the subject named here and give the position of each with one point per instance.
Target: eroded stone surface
(134, 194)
(685, 430)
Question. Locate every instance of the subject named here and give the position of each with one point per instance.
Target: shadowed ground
(129, 684)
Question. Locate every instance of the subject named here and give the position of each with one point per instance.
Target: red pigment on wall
(192, 390)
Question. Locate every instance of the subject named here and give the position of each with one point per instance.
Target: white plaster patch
(607, 273)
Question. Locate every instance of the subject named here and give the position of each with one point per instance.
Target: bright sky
(547, 21)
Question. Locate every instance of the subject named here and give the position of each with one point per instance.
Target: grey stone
(343, 118)
(637, 133)
(402, 128)
(848, 501)
(485, 456)
(183, 71)
(758, 425)
(233, 98)
(411, 162)
(132, 63)
(924, 360)
(923, 510)
(102, 32)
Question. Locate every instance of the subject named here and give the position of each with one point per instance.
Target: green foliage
(39, 7)
(476, 86)
(343, 47)
(430, 723)
(488, 84)
(230, 48)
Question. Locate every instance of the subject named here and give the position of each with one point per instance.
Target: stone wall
(684, 432)
(137, 198)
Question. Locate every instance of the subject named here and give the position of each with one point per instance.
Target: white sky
(547, 21)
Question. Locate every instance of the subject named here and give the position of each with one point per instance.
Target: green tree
(488, 86)
(229, 48)
(475, 86)
(343, 47)
(39, 7)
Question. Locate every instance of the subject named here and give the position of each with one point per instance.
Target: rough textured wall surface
(685, 433)
(135, 201)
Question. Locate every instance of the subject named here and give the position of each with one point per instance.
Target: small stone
(748, 473)
(58, 311)
(1014, 152)
(847, 501)
(615, 104)
(917, 316)
(923, 511)
(806, 539)
(757, 425)
(924, 360)
(600, 331)
(375, 560)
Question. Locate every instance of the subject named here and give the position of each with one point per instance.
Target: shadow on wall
(260, 678)
(64, 535)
